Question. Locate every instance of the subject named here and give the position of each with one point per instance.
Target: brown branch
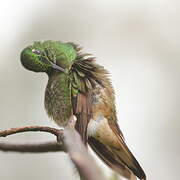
(68, 140)
(77, 151)
(38, 147)
(11, 131)
(32, 148)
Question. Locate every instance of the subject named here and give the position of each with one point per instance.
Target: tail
(118, 159)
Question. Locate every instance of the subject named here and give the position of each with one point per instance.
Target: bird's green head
(48, 56)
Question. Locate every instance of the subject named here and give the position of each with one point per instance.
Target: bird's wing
(125, 154)
(109, 157)
(82, 83)
(82, 110)
(107, 141)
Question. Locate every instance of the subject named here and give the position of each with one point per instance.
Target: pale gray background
(137, 41)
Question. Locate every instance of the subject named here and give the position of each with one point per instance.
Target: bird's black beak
(56, 67)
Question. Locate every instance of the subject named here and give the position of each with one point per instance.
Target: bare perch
(85, 164)
(32, 147)
(68, 141)
(11, 131)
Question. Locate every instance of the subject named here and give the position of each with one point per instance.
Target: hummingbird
(79, 87)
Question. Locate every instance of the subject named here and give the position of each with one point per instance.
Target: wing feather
(83, 114)
(125, 154)
(82, 85)
(85, 75)
(109, 157)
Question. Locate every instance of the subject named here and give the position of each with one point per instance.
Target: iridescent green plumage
(63, 89)
(78, 86)
(39, 56)
(42, 57)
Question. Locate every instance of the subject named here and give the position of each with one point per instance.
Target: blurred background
(137, 41)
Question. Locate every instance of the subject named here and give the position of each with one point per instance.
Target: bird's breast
(58, 99)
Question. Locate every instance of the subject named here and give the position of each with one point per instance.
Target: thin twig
(11, 131)
(68, 140)
(32, 147)
(42, 147)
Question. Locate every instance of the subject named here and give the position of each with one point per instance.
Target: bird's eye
(35, 51)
